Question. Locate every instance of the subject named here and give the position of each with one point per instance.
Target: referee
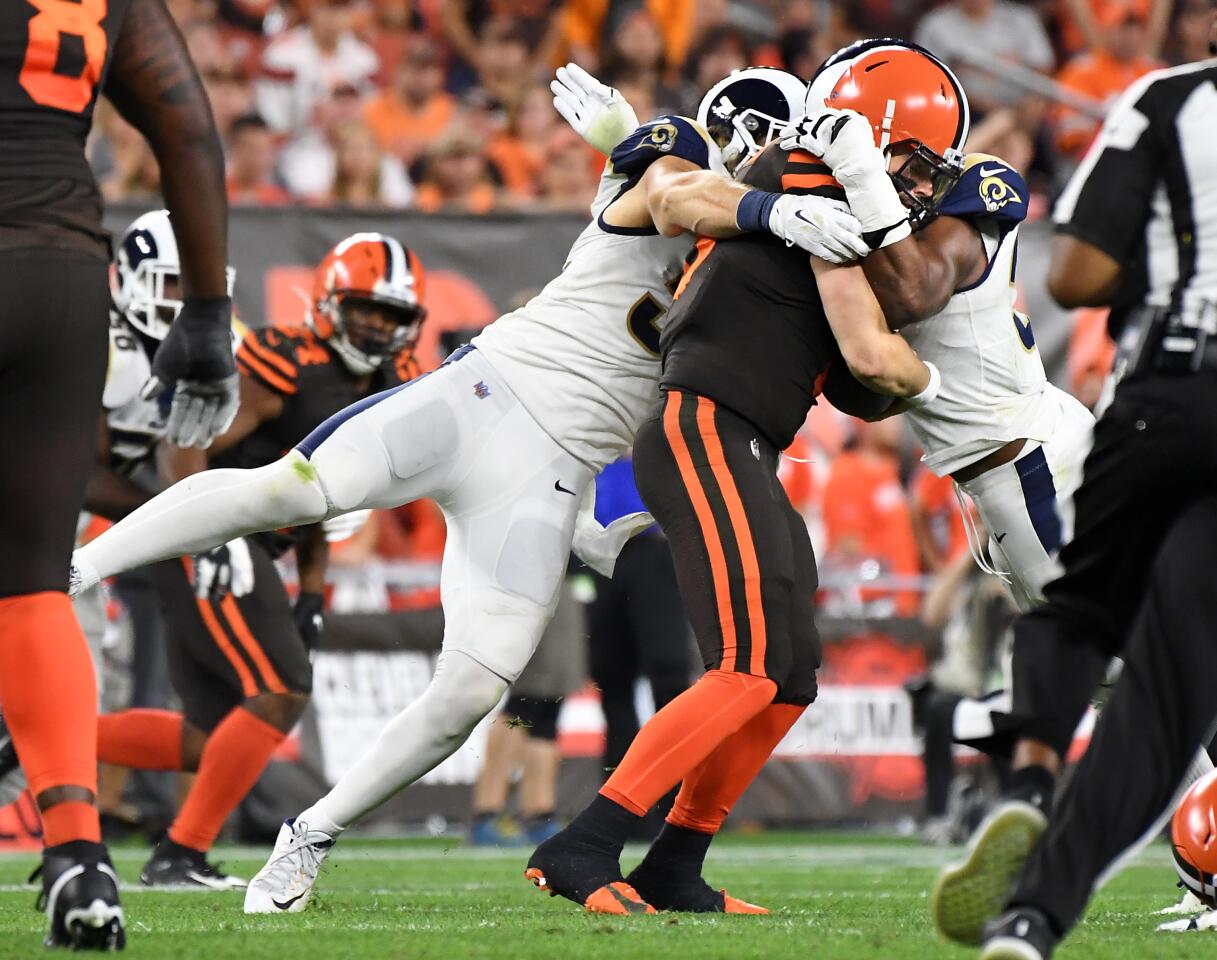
(1136, 230)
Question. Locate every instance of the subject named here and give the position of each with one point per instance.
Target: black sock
(677, 851)
(540, 819)
(1034, 784)
(605, 824)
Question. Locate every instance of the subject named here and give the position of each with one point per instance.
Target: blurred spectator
(996, 31)
(251, 163)
(642, 99)
(938, 525)
(127, 169)
(1090, 356)
(360, 178)
(521, 152)
(305, 65)
(1102, 74)
(718, 53)
(504, 70)
(456, 177)
(416, 109)
(586, 22)
(395, 24)
(1189, 39)
(308, 164)
(867, 519)
(634, 53)
(568, 182)
(464, 21)
(1084, 23)
(231, 96)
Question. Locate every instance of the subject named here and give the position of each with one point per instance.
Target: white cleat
(1203, 921)
(1189, 904)
(285, 884)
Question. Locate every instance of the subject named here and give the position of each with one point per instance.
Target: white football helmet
(746, 111)
(147, 275)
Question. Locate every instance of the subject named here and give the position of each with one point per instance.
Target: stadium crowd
(442, 105)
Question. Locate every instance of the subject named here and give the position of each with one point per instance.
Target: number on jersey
(55, 20)
(643, 322)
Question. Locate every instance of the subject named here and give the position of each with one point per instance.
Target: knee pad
(538, 716)
(348, 468)
(463, 691)
(498, 630)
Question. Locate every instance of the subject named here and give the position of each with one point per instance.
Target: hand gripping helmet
(1194, 839)
(146, 285)
(747, 110)
(368, 272)
(914, 103)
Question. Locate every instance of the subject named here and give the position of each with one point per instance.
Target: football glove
(597, 112)
(822, 226)
(195, 363)
(309, 616)
(223, 570)
(844, 140)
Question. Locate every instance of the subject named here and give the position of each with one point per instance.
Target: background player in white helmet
(505, 437)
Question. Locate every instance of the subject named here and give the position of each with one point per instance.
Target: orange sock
(141, 739)
(235, 756)
(683, 734)
(709, 792)
(49, 696)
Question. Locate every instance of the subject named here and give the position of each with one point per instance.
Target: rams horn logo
(996, 193)
(663, 137)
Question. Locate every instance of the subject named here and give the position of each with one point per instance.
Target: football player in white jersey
(505, 436)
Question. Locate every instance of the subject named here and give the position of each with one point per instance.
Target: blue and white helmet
(747, 110)
(147, 281)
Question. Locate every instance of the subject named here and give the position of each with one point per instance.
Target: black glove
(308, 616)
(195, 362)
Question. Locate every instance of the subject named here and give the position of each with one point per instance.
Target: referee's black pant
(1138, 581)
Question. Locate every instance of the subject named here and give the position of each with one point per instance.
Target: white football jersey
(994, 388)
(135, 424)
(582, 356)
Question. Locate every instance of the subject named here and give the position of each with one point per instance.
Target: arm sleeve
(265, 356)
(663, 137)
(1107, 201)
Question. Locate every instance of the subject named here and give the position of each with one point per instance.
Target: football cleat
(1202, 921)
(173, 865)
(573, 866)
(972, 892)
(80, 897)
(1189, 904)
(285, 884)
(1020, 934)
(668, 892)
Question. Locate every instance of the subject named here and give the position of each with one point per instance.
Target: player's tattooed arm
(877, 357)
(155, 86)
(914, 278)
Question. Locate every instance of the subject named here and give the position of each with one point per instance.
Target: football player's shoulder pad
(669, 136)
(988, 188)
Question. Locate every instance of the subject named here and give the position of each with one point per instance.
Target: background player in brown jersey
(238, 646)
(748, 346)
(55, 57)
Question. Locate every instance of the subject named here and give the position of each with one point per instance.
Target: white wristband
(931, 389)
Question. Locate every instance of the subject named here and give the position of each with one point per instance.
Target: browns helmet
(368, 300)
(916, 107)
(1194, 839)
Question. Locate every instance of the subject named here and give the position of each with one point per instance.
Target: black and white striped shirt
(1146, 194)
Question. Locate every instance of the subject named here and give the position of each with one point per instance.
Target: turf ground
(833, 896)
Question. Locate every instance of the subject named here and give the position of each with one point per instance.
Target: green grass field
(832, 896)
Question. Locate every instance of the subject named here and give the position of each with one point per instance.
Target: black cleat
(12, 780)
(685, 894)
(173, 865)
(1022, 933)
(575, 866)
(80, 896)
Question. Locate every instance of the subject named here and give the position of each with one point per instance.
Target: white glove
(344, 525)
(844, 140)
(597, 112)
(820, 225)
(222, 570)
